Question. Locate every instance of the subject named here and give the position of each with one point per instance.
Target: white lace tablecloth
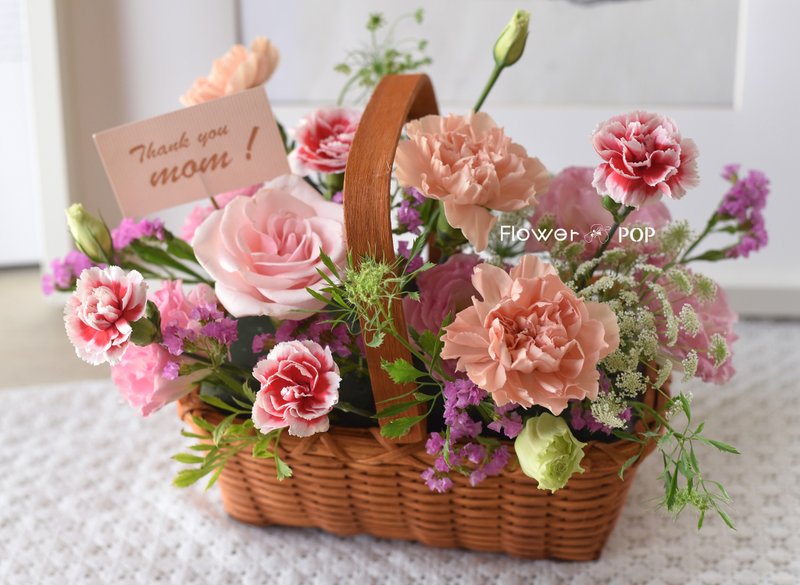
(85, 497)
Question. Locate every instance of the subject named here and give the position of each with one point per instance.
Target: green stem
(489, 85)
(709, 226)
(618, 219)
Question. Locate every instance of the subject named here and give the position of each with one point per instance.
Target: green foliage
(384, 55)
(223, 441)
(685, 485)
(401, 371)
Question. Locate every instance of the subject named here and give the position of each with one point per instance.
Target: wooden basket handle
(367, 209)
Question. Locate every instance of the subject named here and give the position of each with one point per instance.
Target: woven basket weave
(350, 481)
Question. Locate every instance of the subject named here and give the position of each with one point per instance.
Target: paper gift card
(211, 148)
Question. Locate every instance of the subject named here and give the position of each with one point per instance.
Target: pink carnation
(264, 251)
(237, 70)
(645, 158)
(531, 340)
(324, 139)
(200, 212)
(299, 387)
(574, 204)
(175, 306)
(469, 164)
(444, 289)
(144, 378)
(99, 314)
(716, 317)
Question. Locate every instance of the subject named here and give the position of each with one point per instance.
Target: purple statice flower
(510, 425)
(129, 230)
(338, 197)
(224, 331)
(286, 331)
(744, 203)
(730, 172)
(435, 482)
(462, 426)
(261, 341)
(582, 418)
(206, 313)
(175, 337)
(408, 214)
(434, 444)
(65, 271)
(404, 250)
(462, 393)
(171, 370)
(319, 329)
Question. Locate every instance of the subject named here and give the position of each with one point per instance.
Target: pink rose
(645, 158)
(573, 203)
(237, 70)
(264, 251)
(469, 164)
(99, 314)
(531, 340)
(299, 387)
(176, 307)
(200, 212)
(147, 377)
(324, 139)
(716, 317)
(444, 289)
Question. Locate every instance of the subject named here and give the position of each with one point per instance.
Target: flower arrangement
(540, 308)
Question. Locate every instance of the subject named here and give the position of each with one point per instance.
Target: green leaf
(187, 477)
(213, 479)
(222, 427)
(329, 264)
(221, 404)
(726, 518)
(625, 466)
(400, 426)
(181, 249)
(203, 424)
(687, 409)
(672, 490)
(422, 397)
(396, 409)
(700, 519)
(188, 458)
(721, 446)
(401, 371)
(317, 295)
(376, 340)
(428, 341)
(282, 470)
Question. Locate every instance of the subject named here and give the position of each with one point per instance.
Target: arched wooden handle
(367, 208)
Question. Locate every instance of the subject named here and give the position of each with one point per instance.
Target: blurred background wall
(726, 70)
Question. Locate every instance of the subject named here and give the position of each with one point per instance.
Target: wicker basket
(350, 481)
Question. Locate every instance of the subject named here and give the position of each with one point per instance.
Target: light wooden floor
(34, 348)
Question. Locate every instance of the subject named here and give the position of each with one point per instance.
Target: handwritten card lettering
(219, 146)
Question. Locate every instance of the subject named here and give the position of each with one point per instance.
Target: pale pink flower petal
(264, 251)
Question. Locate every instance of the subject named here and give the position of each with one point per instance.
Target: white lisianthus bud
(90, 233)
(511, 42)
(548, 452)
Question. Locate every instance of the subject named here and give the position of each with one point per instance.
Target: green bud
(548, 452)
(511, 42)
(144, 332)
(90, 233)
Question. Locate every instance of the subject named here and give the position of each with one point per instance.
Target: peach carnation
(531, 340)
(237, 70)
(469, 164)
